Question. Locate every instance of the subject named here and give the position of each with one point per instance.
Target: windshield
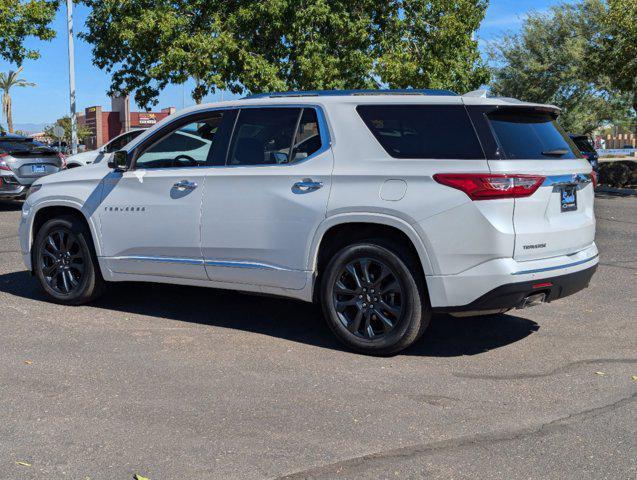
(529, 134)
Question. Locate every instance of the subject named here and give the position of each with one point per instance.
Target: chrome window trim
(324, 132)
(548, 269)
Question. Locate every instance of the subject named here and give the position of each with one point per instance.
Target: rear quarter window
(423, 131)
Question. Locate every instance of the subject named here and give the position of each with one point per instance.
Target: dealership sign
(147, 119)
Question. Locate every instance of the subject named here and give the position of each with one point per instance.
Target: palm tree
(8, 80)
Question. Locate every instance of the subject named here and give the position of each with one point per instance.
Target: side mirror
(119, 161)
(102, 149)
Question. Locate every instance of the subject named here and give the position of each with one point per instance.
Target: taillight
(3, 164)
(594, 178)
(487, 186)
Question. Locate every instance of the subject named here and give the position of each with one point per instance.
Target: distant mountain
(29, 127)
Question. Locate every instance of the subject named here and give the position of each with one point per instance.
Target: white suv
(385, 207)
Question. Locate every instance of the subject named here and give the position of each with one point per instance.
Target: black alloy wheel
(374, 297)
(65, 263)
(368, 298)
(62, 261)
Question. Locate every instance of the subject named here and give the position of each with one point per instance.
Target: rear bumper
(10, 190)
(513, 295)
(458, 292)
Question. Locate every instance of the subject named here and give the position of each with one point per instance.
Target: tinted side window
(190, 145)
(423, 131)
(308, 138)
(263, 136)
(528, 134)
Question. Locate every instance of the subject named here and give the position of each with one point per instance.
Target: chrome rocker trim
(198, 261)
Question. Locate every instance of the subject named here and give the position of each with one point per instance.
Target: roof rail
(340, 93)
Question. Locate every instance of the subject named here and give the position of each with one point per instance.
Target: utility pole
(69, 17)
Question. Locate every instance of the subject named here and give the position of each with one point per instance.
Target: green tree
(20, 20)
(616, 49)
(9, 80)
(431, 45)
(259, 46)
(65, 123)
(549, 61)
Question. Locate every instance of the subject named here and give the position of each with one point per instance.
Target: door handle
(185, 185)
(306, 185)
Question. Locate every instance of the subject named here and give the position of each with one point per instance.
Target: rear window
(524, 134)
(22, 146)
(423, 131)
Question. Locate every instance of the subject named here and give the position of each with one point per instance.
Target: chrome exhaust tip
(532, 300)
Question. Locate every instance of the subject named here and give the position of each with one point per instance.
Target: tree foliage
(22, 19)
(65, 123)
(550, 60)
(9, 80)
(270, 45)
(616, 48)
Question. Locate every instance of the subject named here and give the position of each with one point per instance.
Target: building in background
(615, 138)
(106, 125)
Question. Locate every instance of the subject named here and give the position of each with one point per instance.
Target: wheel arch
(336, 232)
(48, 211)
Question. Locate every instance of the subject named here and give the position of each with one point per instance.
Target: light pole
(69, 18)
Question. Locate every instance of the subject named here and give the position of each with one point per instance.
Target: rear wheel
(65, 263)
(374, 298)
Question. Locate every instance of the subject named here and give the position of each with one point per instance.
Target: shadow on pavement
(288, 319)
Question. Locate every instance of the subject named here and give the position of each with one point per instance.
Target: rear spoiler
(513, 103)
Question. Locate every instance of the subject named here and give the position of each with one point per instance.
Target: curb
(616, 191)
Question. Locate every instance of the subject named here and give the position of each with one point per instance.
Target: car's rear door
(557, 219)
(261, 209)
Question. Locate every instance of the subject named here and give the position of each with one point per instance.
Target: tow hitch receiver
(532, 300)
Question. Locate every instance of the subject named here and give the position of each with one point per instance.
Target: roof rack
(341, 93)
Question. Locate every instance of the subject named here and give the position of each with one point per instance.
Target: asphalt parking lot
(188, 383)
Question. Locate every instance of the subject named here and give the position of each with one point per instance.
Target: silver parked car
(22, 161)
(96, 156)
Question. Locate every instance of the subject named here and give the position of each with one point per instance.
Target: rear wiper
(558, 152)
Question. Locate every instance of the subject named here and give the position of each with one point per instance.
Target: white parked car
(385, 208)
(96, 156)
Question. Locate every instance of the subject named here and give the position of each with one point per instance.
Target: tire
(393, 298)
(65, 263)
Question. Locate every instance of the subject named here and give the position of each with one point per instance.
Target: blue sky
(49, 99)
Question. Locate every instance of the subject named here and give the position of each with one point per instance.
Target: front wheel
(374, 298)
(65, 263)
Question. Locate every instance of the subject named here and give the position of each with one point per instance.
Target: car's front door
(261, 209)
(150, 215)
